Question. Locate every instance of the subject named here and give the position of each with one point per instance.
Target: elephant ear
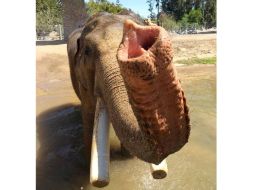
(72, 49)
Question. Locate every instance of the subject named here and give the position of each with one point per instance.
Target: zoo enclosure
(55, 32)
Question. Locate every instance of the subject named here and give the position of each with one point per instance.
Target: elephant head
(129, 66)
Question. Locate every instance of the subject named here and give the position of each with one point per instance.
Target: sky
(138, 6)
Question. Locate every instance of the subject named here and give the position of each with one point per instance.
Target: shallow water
(60, 163)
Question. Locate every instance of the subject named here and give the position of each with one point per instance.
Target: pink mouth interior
(140, 39)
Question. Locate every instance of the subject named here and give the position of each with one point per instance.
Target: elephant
(129, 66)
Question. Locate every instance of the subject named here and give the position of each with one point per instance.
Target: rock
(54, 35)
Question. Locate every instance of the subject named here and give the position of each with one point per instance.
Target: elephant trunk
(144, 97)
(125, 124)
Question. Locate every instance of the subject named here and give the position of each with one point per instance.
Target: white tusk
(99, 168)
(159, 171)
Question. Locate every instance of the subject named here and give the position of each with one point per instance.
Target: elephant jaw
(155, 94)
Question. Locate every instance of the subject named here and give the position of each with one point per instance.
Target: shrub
(192, 20)
(195, 16)
(184, 22)
(168, 22)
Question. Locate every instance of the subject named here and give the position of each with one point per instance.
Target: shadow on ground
(50, 42)
(60, 150)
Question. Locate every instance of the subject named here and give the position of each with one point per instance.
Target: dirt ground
(190, 46)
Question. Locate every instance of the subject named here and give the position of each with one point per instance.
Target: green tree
(48, 14)
(198, 4)
(176, 8)
(150, 9)
(184, 22)
(210, 13)
(188, 5)
(191, 20)
(195, 16)
(158, 11)
(103, 6)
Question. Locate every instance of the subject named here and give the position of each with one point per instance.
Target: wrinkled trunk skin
(145, 58)
(122, 117)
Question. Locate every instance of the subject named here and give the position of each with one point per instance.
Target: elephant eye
(87, 50)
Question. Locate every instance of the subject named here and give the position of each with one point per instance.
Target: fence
(56, 33)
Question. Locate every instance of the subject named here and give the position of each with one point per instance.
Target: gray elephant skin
(129, 66)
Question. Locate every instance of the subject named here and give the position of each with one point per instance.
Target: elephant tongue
(134, 47)
(145, 59)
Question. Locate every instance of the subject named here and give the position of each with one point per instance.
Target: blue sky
(138, 6)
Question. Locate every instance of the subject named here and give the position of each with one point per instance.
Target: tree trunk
(74, 15)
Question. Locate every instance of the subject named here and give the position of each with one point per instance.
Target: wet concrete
(60, 159)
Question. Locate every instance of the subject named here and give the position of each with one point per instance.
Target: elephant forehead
(104, 31)
(106, 39)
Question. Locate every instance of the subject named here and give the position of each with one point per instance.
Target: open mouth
(138, 39)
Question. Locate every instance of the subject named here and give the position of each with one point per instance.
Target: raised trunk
(122, 116)
(155, 95)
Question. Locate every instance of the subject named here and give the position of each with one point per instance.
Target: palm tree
(74, 15)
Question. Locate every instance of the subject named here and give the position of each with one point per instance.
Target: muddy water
(60, 163)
